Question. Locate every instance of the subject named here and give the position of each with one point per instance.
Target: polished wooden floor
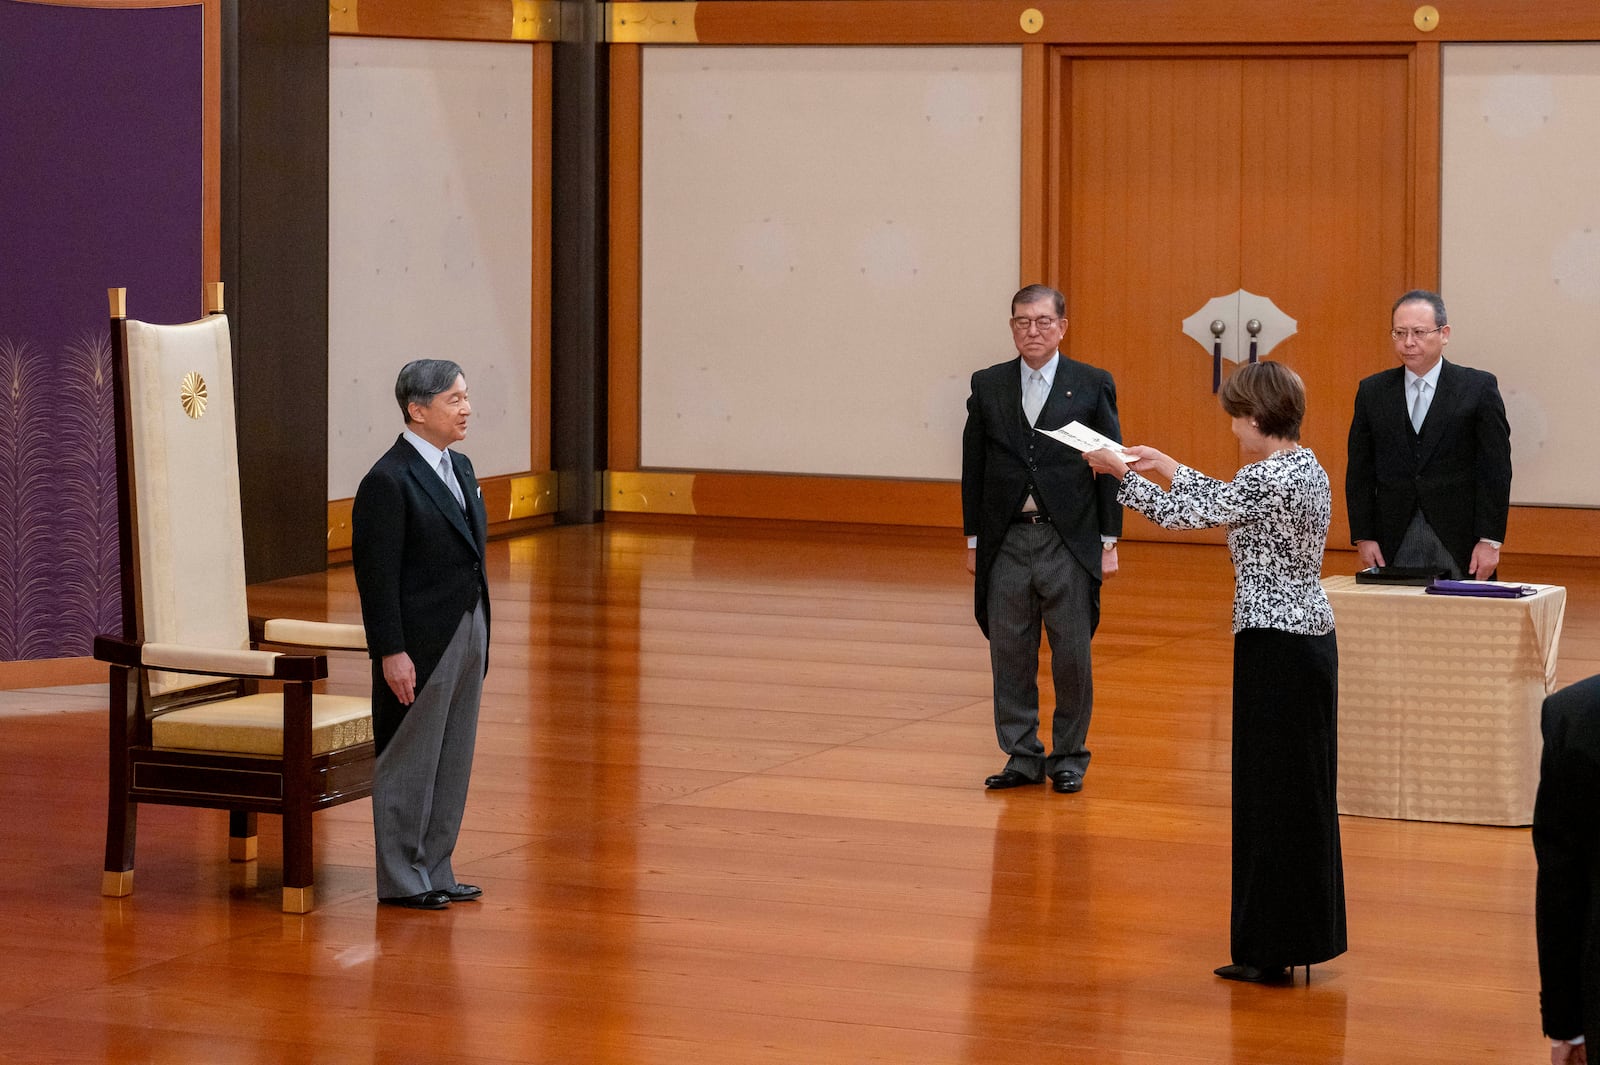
(728, 809)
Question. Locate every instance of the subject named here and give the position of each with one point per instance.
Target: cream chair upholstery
(190, 724)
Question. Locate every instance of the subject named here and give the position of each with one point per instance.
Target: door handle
(1217, 326)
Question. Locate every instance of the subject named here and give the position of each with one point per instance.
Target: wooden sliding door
(1186, 175)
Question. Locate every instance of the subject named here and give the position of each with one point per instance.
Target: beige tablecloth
(1439, 701)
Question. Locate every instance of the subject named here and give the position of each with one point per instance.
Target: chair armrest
(210, 661)
(116, 651)
(187, 658)
(294, 632)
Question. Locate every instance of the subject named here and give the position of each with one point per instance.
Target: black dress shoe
(1252, 975)
(1066, 781)
(428, 900)
(1008, 778)
(463, 893)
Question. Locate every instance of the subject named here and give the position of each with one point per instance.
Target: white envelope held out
(1080, 436)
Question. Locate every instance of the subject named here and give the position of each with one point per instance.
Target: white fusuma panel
(829, 247)
(1521, 249)
(429, 240)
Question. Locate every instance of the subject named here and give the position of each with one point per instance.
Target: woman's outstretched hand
(1106, 461)
(1142, 460)
(1149, 460)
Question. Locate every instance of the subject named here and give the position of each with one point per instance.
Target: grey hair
(1422, 295)
(422, 379)
(1035, 293)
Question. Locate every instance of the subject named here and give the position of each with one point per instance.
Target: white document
(1080, 436)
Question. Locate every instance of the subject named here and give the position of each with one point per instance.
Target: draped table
(1439, 700)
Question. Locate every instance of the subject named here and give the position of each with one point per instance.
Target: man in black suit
(1042, 532)
(1566, 840)
(1429, 476)
(418, 541)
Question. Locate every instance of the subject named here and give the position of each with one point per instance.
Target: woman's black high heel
(1250, 974)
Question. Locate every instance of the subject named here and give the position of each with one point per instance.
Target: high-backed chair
(201, 714)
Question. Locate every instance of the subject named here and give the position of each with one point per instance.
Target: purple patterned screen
(100, 187)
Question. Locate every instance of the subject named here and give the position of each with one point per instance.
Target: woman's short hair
(1269, 394)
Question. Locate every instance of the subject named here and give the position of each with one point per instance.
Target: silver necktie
(1419, 406)
(1033, 396)
(449, 474)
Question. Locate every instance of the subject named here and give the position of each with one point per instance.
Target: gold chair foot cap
(298, 900)
(242, 848)
(116, 884)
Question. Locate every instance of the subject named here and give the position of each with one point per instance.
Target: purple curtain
(100, 186)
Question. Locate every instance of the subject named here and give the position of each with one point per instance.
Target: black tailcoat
(1566, 838)
(1003, 458)
(1457, 470)
(419, 562)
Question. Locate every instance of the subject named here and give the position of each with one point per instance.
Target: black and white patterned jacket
(1277, 513)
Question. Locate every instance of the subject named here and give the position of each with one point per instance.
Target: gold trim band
(651, 23)
(532, 495)
(343, 17)
(535, 20)
(633, 492)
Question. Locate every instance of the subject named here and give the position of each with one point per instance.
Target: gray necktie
(1419, 406)
(1033, 396)
(449, 474)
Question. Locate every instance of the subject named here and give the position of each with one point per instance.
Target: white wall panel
(430, 240)
(830, 240)
(1521, 249)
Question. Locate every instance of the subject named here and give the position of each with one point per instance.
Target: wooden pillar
(578, 263)
(275, 265)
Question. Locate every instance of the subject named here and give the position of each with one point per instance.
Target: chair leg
(122, 825)
(297, 861)
(297, 792)
(122, 814)
(242, 843)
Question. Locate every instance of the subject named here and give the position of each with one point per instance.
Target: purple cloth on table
(1487, 589)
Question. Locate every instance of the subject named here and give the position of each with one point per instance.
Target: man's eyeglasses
(1402, 335)
(1044, 322)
